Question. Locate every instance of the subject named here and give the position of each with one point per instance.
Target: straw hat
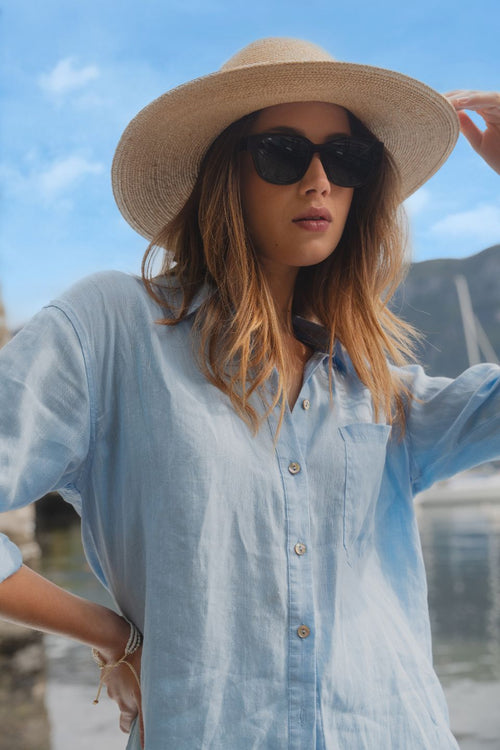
(158, 157)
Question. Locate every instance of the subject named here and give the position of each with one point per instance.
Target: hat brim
(159, 154)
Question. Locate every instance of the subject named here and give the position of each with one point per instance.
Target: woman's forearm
(29, 599)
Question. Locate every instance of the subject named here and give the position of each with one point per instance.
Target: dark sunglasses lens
(280, 159)
(348, 162)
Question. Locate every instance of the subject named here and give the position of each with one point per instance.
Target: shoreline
(468, 488)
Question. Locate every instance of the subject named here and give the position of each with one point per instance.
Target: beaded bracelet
(133, 644)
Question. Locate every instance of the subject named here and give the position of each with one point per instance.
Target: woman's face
(277, 215)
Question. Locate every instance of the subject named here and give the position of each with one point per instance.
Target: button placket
(300, 629)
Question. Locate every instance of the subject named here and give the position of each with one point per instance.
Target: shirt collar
(172, 292)
(203, 293)
(318, 338)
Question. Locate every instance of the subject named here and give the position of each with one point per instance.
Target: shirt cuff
(10, 557)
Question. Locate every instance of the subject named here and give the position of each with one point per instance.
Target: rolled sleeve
(10, 557)
(44, 417)
(453, 424)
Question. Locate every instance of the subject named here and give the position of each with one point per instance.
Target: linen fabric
(280, 589)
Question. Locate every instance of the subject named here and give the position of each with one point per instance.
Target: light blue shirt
(281, 590)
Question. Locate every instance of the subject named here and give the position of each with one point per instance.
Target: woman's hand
(123, 686)
(486, 104)
(29, 599)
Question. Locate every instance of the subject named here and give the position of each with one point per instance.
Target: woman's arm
(486, 104)
(46, 443)
(453, 424)
(31, 600)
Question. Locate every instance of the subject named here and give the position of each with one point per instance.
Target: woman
(245, 471)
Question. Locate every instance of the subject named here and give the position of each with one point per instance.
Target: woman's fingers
(487, 105)
(123, 686)
(126, 721)
(474, 98)
(471, 131)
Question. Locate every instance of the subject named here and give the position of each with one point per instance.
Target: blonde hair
(240, 336)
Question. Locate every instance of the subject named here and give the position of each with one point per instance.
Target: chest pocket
(365, 452)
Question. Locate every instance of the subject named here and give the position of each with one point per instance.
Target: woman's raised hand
(487, 104)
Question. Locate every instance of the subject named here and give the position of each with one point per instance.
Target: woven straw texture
(158, 157)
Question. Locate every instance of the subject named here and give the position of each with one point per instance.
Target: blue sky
(74, 73)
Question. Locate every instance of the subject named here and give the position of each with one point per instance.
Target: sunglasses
(348, 160)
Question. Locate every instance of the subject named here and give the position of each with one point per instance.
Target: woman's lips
(312, 225)
(314, 219)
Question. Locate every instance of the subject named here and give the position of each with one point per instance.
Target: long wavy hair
(239, 332)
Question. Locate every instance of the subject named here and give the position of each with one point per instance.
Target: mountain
(428, 299)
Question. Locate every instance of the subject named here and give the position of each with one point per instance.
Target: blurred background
(72, 76)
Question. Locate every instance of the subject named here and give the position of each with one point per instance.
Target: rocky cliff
(428, 299)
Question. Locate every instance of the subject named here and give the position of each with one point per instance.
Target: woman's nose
(315, 178)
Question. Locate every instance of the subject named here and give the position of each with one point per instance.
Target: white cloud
(417, 202)
(63, 174)
(66, 77)
(481, 223)
(47, 181)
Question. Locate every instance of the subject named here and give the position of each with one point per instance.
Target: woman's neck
(281, 283)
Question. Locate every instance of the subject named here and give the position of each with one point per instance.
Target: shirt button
(294, 467)
(306, 404)
(303, 631)
(300, 548)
